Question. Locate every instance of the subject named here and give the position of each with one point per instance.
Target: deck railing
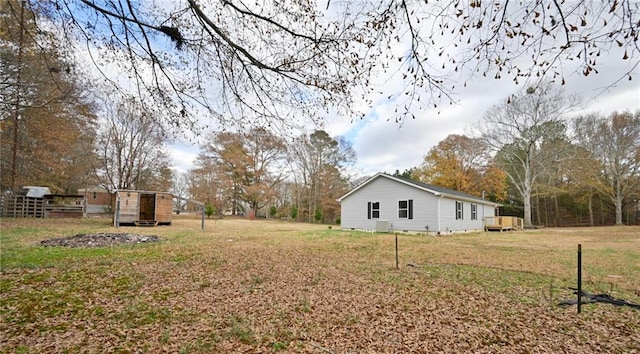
(502, 223)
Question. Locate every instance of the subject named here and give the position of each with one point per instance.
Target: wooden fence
(51, 206)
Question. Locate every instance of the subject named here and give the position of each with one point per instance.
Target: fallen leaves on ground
(274, 290)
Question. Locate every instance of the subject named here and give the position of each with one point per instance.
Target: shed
(142, 208)
(384, 203)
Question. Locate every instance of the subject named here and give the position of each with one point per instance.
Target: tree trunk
(590, 211)
(16, 118)
(526, 195)
(556, 216)
(537, 209)
(618, 202)
(234, 201)
(527, 206)
(546, 212)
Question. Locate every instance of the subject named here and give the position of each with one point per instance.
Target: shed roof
(36, 191)
(430, 188)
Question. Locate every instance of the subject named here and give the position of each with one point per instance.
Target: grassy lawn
(261, 286)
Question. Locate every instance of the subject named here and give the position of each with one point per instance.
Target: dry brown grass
(260, 286)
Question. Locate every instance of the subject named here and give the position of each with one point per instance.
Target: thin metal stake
(397, 258)
(117, 214)
(579, 277)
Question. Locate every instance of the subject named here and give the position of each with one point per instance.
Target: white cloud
(182, 156)
(383, 145)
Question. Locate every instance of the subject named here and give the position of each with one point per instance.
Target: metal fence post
(579, 277)
(397, 257)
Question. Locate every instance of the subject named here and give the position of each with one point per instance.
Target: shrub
(209, 210)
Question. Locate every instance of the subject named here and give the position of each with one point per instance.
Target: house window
(458, 210)
(95, 195)
(373, 210)
(474, 211)
(405, 209)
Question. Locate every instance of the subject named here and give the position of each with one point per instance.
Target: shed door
(128, 206)
(147, 207)
(164, 208)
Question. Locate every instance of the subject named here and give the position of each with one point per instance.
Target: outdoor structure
(38, 202)
(503, 223)
(142, 208)
(387, 203)
(98, 201)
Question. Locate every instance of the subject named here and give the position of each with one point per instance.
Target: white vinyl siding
(388, 193)
(411, 208)
(449, 223)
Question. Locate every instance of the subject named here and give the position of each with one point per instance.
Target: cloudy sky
(383, 145)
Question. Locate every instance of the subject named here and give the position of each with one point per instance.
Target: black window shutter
(410, 208)
(369, 210)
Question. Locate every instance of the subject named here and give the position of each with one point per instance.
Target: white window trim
(405, 209)
(459, 210)
(375, 210)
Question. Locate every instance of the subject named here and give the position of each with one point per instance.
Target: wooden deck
(503, 223)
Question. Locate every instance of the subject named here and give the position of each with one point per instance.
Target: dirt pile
(99, 240)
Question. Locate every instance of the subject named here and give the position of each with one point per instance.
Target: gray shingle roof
(424, 186)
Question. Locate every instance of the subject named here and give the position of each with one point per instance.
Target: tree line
(529, 154)
(65, 133)
(61, 130)
(258, 173)
(543, 165)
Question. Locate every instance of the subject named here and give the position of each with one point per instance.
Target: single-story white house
(388, 203)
